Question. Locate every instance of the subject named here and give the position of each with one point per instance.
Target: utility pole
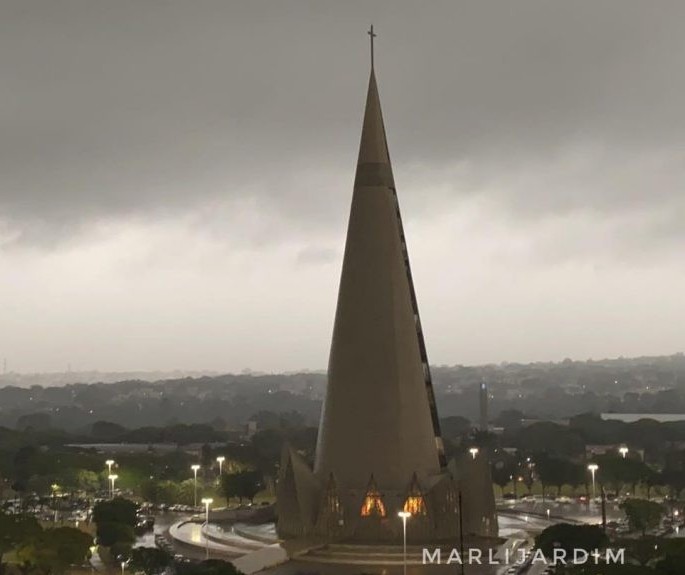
(461, 532)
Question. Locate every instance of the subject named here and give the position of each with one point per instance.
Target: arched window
(373, 505)
(415, 503)
(332, 501)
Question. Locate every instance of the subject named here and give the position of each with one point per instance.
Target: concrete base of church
(314, 510)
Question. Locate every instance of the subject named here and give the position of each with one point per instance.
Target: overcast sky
(175, 177)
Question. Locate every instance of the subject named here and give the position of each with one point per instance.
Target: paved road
(579, 511)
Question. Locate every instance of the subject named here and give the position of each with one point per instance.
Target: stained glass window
(373, 502)
(415, 503)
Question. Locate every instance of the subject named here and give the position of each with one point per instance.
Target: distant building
(483, 406)
(251, 428)
(527, 422)
(633, 417)
(611, 449)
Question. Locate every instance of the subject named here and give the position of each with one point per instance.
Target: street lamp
(195, 469)
(112, 479)
(593, 467)
(623, 451)
(516, 480)
(404, 515)
(109, 464)
(220, 460)
(123, 566)
(55, 489)
(207, 502)
(473, 451)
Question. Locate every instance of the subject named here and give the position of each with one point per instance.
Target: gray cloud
(112, 110)
(529, 137)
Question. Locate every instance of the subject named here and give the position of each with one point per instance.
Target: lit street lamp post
(207, 501)
(593, 467)
(404, 515)
(112, 479)
(55, 489)
(220, 460)
(123, 566)
(473, 451)
(195, 469)
(514, 482)
(109, 464)
(623, 451)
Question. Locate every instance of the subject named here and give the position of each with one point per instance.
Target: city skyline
(174, 181)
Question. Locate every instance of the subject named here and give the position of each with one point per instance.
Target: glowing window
(414, 503)
(332, 499)
(373, 505)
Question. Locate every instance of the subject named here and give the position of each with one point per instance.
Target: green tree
(642, 550)
(121, 551)
(617, 471)
(15, 531)
(168, 492)
(251, 483)
(229, 485)
(555, 472)
(149, 491)
(501, 473)
(87, 481)
(642, 514)
(110, 533)
(551, 438)
(243, 485)
(186, 492)
(117, 510)
(673, 561)
(53, 551)
(650, 479)
(208, 567)
(150, 560)
(570, 537)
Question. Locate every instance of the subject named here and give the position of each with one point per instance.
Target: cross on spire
(372, 35)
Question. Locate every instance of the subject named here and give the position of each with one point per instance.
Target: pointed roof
(295, 476)
(379, 413)
(373, 164)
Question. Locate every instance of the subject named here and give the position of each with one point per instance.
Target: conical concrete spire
(373, 151)
(379, 414)
(379, 448)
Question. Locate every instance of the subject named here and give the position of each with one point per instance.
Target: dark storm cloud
(128, 108)
(175, 176)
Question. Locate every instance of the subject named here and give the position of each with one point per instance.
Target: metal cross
(372, 35)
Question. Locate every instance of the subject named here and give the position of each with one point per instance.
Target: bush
(570, 537)
(208, 567)
(109, 534)
(117, 510)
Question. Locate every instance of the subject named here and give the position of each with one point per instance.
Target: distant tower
(483, 406)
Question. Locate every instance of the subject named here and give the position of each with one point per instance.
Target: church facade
(379, 449)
